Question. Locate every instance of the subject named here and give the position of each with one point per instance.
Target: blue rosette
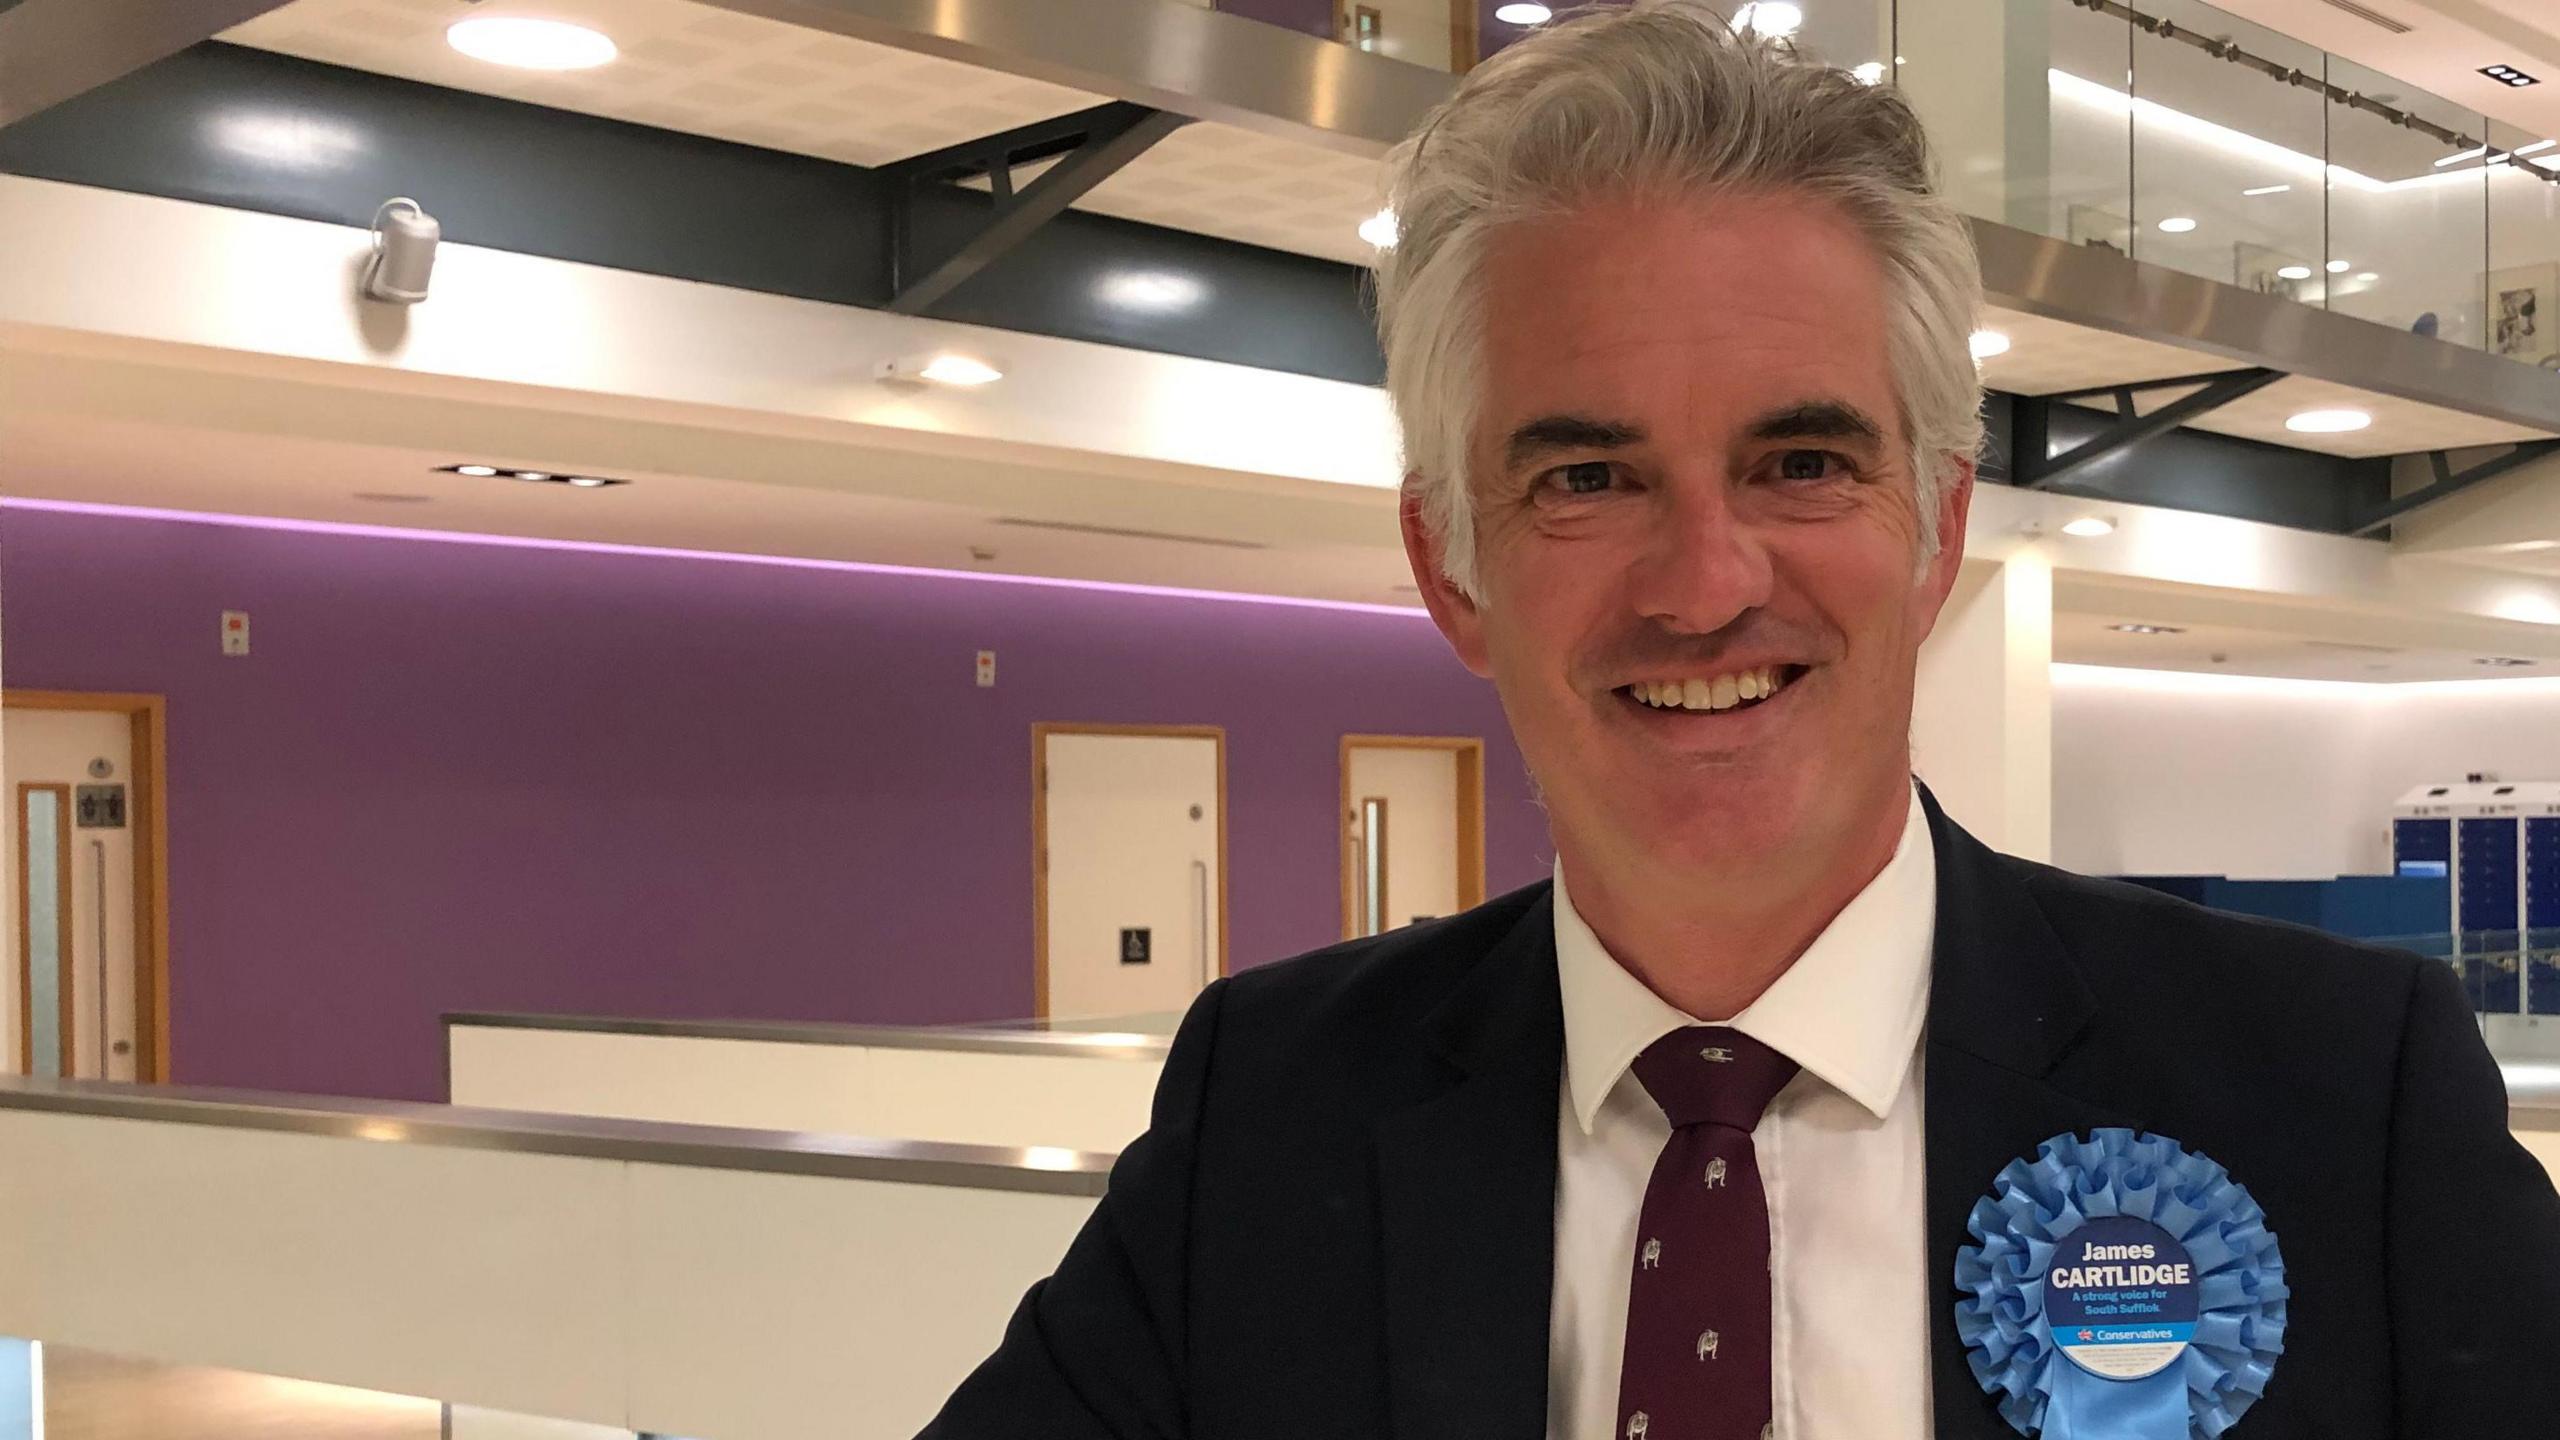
(2211, 1376)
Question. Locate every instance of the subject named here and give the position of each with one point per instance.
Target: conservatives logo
(2088, 1335)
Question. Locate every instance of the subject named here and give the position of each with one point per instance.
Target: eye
(1811, 465)
(1583, 477)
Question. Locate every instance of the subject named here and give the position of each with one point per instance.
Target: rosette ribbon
(2035, 1205)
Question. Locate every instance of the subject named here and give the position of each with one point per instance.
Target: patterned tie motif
(1697, 1362)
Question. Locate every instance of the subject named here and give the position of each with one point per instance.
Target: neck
(1710, 946)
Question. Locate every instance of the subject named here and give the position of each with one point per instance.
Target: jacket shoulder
(1378, 983)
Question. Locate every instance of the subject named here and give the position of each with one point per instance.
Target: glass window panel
(2524, 245)
(2226, 158)
(2027, 106)
(1849, 34)
(41, 864)
(2417, 227)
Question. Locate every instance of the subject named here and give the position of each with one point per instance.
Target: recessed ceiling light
(2501, 661)
(2293, 272)
(2090, 527)
(2327, 422)
(1380, 229)
(2148, 629)
(2367, 276)
(2177, 225)
(2535, 146)
(1770, 19)
(2456, 158)
(544, 477)
(2337, 267)
(1159, 292)
(529, 44)
(1870, 73)
(2508, 75)
(1524, 14)
(2268, 190)
(942, 368)
(1987, 343)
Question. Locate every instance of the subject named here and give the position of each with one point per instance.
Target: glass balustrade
(2165, 130)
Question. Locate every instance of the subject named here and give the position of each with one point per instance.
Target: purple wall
(462, 776)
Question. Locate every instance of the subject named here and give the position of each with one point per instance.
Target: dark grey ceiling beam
(1089, 147)
(2450, 482)
(2032, 469)
(52, 50)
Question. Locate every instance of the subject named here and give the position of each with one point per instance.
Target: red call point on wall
(235, 632)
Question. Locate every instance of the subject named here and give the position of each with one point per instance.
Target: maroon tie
(1698, 1327)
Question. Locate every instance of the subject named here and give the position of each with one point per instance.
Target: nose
(1703, 567)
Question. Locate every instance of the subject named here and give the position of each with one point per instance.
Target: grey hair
(1663, 95)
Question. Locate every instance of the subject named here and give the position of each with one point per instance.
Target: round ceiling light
(2177, 225)
(2337, 267)
(1380, 229)
(530, 44)
(2327, 422)
(1524, 14)
(2293, 272)
(1870, 73)
(1987, 343)
(1769, 19)
(477, 471)
(2090, 527)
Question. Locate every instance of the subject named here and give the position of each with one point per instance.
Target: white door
(1131, 855)
(67, 929)
(1404, 835)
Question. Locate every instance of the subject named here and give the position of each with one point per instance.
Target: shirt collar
(1849, 1010)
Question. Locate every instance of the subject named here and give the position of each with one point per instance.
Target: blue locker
(2542, 914)
(2490, 916)
(2421, 847)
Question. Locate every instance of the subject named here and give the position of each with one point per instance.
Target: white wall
(670, 1298)
(2158, 773)
(1094, 1100)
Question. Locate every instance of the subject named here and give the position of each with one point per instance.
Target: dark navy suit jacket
(1340, 1223)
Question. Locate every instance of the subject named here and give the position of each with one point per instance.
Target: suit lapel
(2006, 1003)
(1466, 1193)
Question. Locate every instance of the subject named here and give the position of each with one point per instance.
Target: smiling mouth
(1735, 690)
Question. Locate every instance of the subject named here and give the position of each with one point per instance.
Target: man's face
(1690, 473)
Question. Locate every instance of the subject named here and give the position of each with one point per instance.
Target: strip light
(663, 552)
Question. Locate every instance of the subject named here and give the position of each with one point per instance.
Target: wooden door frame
(149, 816)
(1040, 733)
(1470, 752)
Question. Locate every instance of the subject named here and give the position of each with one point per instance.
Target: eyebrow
(1818, 420)
(1569, 432)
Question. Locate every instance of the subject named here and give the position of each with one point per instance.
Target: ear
(1955, 506)
(1461, 622)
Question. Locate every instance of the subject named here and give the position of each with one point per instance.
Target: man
(1685, 1144)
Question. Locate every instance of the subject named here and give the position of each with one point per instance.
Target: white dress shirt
(1840, 1156)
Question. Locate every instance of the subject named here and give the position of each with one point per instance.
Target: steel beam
(2450, 482)
(2032, 469)
(1088, 146)
(51, 50)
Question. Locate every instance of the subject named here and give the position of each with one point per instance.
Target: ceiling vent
(1118, 533)
(2370, 17)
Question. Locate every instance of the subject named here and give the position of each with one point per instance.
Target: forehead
(1719, 305)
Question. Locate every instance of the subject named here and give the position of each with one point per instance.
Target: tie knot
(1709, 1075)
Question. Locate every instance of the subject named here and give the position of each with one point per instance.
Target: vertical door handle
(1200, 873)
(98, 853)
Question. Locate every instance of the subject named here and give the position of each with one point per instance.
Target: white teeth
(1724, 692)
